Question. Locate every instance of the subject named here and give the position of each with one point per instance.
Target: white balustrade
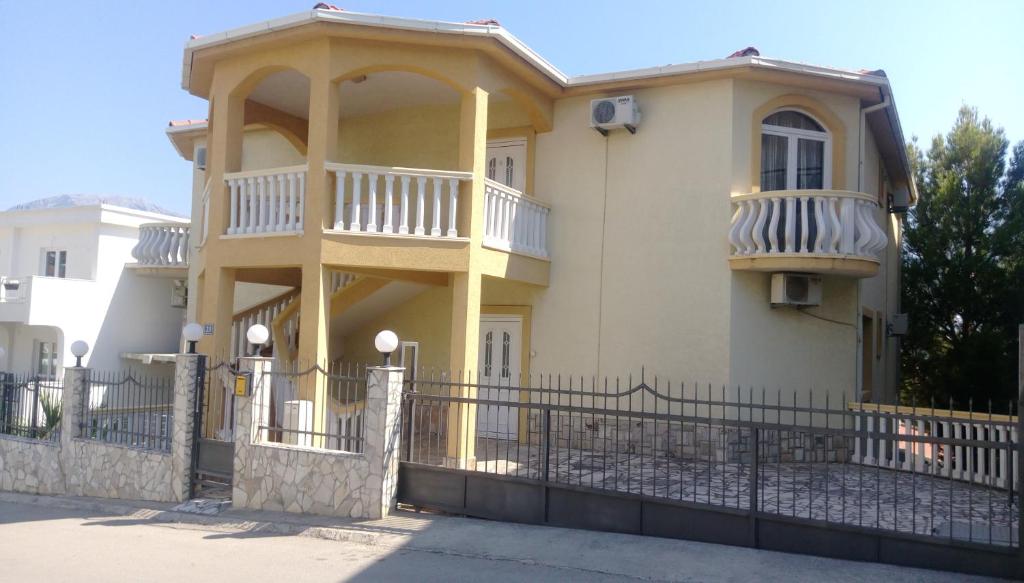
(820, 223)
(983, 451)
(266, 201)
(162, 245)
(514, 222)
(396, 201)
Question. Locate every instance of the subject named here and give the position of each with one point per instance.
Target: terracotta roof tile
(747, 52)
(326, 6)
(177, 123)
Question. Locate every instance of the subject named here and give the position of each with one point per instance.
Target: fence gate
(213, 446)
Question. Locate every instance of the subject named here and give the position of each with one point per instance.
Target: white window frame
(793, 135)
(56, 263)
(37, 353)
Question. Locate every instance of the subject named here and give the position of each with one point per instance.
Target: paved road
(49, 543)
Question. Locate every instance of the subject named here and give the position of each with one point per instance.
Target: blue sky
(74, 123)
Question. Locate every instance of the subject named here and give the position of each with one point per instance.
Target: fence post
(189, 371)
(409, 429)
(755, 468)
(251, 412)
(75, 403)
(6, 401)
(382, 434)
(33, 429)
(547, 444)
(1020, 438)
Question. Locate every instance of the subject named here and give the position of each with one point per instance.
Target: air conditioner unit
(201, 158)
(899, 200)
(898, 325)
(614, 112)
(795, 289)
(179, 294)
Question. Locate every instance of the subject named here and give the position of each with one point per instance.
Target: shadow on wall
(139, 318)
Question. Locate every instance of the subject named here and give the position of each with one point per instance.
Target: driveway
(61, 539)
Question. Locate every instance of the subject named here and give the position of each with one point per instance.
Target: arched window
(796, 152)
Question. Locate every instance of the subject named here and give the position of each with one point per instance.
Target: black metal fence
(314, 407)
(786, 455)
(31, 406)
(127, 408)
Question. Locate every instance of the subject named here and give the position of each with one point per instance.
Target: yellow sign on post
(241, 385)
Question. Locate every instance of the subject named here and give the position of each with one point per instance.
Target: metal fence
(31, 406)
(787, 455)
(314, 407)
(126, 408)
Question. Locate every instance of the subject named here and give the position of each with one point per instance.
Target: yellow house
(728, 221)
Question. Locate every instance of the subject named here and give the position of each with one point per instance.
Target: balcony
(383, 201)
(162, 249)
(43, 301)
(810, 231)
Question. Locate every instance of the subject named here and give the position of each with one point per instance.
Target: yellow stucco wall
(426, 318)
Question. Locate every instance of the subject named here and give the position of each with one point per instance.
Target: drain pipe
(858, 361)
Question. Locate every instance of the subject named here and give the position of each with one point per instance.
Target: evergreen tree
(963, 262)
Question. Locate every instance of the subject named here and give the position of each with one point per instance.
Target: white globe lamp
(192, 332)
(257, 335)
(386, 342)
(79, 348)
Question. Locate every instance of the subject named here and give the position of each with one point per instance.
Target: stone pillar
(251, 412)
(383, 431)
(189, 373)
(76, 393)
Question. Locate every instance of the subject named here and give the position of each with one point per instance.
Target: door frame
(525, 315)
(515, 140)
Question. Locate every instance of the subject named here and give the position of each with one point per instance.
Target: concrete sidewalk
(157, 543)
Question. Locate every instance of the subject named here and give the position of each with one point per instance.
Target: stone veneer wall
(273, 476)
(82, 467)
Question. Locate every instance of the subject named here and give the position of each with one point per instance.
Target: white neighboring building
(69, 274)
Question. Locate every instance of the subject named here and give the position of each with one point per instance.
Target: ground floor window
(46, 359)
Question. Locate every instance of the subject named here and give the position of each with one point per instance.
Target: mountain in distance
(73, 200)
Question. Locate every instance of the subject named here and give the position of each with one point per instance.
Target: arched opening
(795, 152)
(276, 121)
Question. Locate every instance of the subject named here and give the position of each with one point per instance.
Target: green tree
(962, 267)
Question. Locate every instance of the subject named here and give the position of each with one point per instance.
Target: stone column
(251, 412)
(189, 373)
(76, 383)
(383, 430)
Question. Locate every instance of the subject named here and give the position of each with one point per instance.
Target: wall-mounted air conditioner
(612, 113)
(795, 289)
(201, 158)
(899, 200)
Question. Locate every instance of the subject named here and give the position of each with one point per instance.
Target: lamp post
(79, 348)
(192, 332)
(257, 335)
(386, 342)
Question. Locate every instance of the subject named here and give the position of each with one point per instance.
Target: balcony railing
(267, 201)
(513, 221)
(788, 226)
(394, 201)
(162, 245)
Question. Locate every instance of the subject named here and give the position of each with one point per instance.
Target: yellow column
(314, 310)
(216, 306)
(465, 337)
(224, 152)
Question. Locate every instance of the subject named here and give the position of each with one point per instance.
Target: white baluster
(435, 229)
(354, 220)
(746, 233)
(773, 225)
(293, 197)
(738, 216)
(804, 212)
(403, 229)
(758, 231)
(453, 200)
(421, 187)
(233, 197)
(819, 221)
(302, 202)
(835, 226)
(339, 200)
(282, 201)
(272, 203)
(544, 232)
(847, 218)
(790, 229)
(263, 222)
(253, 205)
(389, 190)
(371, 211)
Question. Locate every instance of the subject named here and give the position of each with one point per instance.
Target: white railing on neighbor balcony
(396, 201)
(513, 221)
(266, 201)
(984, 453)
(806, 222)
(162, 245)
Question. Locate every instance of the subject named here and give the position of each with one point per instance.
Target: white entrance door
(506, 163)
(501, 341)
